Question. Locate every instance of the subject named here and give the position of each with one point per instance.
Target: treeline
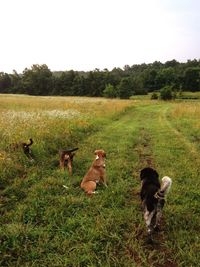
(131, 80)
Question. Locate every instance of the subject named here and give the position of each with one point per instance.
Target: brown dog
(96, 173)
(66, 156)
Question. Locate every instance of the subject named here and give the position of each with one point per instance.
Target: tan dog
(96, 173)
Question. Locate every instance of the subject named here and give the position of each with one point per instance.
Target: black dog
(27, 150)
(24, 146)
(153, 197)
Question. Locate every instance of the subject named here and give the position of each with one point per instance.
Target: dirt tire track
(146, 159)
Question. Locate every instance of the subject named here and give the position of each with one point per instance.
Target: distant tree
(191, 80)
(192, 63)
(157, 65)
(116, 75)
(66, 83)
(78, 86)
(172, 63)
(125, 88)
(109, 91)
(165, 77)
(149, 80)
(5, 82)
(37, 80)
(96, 82)
(16, 80)
(137, 87)
(166, 93)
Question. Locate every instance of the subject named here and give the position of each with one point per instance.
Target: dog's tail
(165, 187)
(71, 150)
(30, 142)
(166, 184)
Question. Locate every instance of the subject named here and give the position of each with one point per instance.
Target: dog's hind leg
(158, 215)
(148, 216)
(158, 219)
(89, 187)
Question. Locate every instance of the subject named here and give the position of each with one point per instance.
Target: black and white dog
(153, 197)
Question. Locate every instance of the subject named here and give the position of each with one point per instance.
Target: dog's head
(148, 174)
(100, 153)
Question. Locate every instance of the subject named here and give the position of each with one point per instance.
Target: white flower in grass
(14, 116)
(64, 114)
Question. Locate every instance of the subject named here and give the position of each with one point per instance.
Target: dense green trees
(5, 82)
(37, 80)
(131, 80)
(191, 80)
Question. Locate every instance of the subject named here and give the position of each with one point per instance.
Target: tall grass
(185, 119)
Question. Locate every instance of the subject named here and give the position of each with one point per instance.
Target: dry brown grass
(188, 109)
(22, 116)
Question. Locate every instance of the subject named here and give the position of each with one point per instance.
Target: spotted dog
(153, 197)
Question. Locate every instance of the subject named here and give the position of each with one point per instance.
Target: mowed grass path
(53, 226)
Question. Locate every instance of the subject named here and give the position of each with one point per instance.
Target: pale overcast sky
(89, 34)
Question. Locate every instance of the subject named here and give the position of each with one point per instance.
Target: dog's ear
(142, 174)
(100, 152)
(156, 175)
(96, 152)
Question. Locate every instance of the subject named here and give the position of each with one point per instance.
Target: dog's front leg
(103, 180)
(69, 166)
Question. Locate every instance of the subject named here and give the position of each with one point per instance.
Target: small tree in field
(109, 91)
(154, 96)
(125, 88)
(166, 93)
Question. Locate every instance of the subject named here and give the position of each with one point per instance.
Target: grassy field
(43, 223)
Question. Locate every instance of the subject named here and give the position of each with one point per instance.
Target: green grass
(45, 224)
(189, 95)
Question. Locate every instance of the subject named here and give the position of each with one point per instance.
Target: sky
(89, 34)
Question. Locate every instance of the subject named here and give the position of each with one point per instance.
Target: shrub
(109, 91)
(166, 93)
(154, 95)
